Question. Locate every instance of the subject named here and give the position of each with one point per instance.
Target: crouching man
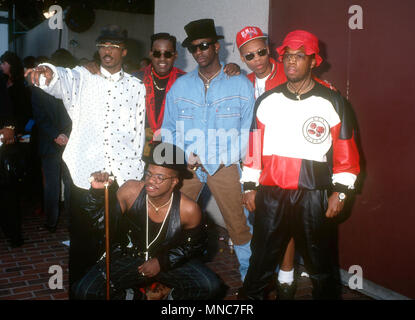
(156, 231)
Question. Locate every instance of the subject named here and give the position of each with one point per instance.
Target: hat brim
(295, 45)
(110, 39)
(188, 41)
(182, 170)
(176, 162)
(244, 43)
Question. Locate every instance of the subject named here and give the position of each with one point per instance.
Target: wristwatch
(341, 196)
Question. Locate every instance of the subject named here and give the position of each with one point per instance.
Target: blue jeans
(190, 281)
(243, 252)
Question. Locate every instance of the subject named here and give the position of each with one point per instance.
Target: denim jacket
(213, 125)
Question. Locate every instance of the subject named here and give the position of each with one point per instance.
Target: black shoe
(240, 294)
(286, 291)
(46, 227)
(270, 291)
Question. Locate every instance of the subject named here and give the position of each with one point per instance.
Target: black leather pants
(191, 280)
(86, 241)
(281, 214)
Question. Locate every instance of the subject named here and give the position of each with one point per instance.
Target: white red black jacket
(307, 143)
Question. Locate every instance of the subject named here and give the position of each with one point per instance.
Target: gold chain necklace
(207, 83)
(155, 84)
(162, 225)
(158, 208)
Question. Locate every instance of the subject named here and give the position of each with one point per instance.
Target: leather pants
(86, 241)
(280, 215)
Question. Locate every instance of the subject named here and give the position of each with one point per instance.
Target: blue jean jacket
(213, 125)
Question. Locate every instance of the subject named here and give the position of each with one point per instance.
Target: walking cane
(107, 234)
(107, 239)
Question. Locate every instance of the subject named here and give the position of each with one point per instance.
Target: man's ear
(313, 62)
(175, 181)
(217, 46)
(124, 52)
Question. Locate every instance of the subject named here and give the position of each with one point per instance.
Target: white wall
(230, 16)
(41, 40)
(139, 27)
(4, 34)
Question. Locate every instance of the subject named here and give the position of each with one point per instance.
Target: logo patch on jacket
(316, 130)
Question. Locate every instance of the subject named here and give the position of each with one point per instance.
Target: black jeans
(280, 215)
(85, 240)
(190, 281)
(53, 170)
(10, 215)
(15, 171)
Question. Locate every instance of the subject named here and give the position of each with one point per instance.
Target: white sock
(286, 276)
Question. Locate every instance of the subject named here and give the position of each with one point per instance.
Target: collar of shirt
(221, 74)
(112, 77)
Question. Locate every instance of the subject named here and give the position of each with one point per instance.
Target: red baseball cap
(247, 34)
(300, 38)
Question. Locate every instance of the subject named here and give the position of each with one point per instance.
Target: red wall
(378, 62)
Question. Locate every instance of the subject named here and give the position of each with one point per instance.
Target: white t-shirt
(259, 86)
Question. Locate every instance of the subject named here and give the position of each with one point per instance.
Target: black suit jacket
(51, 119)
(6, 107)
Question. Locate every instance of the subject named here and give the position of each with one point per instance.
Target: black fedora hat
(112, 33)
(169, 156)
(200, 29)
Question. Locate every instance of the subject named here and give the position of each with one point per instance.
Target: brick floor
(24, 271)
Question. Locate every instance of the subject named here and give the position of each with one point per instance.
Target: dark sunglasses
(165, 54)
(260, 52)
(202, 46)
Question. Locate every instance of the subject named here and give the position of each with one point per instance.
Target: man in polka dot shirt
(107, 112)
